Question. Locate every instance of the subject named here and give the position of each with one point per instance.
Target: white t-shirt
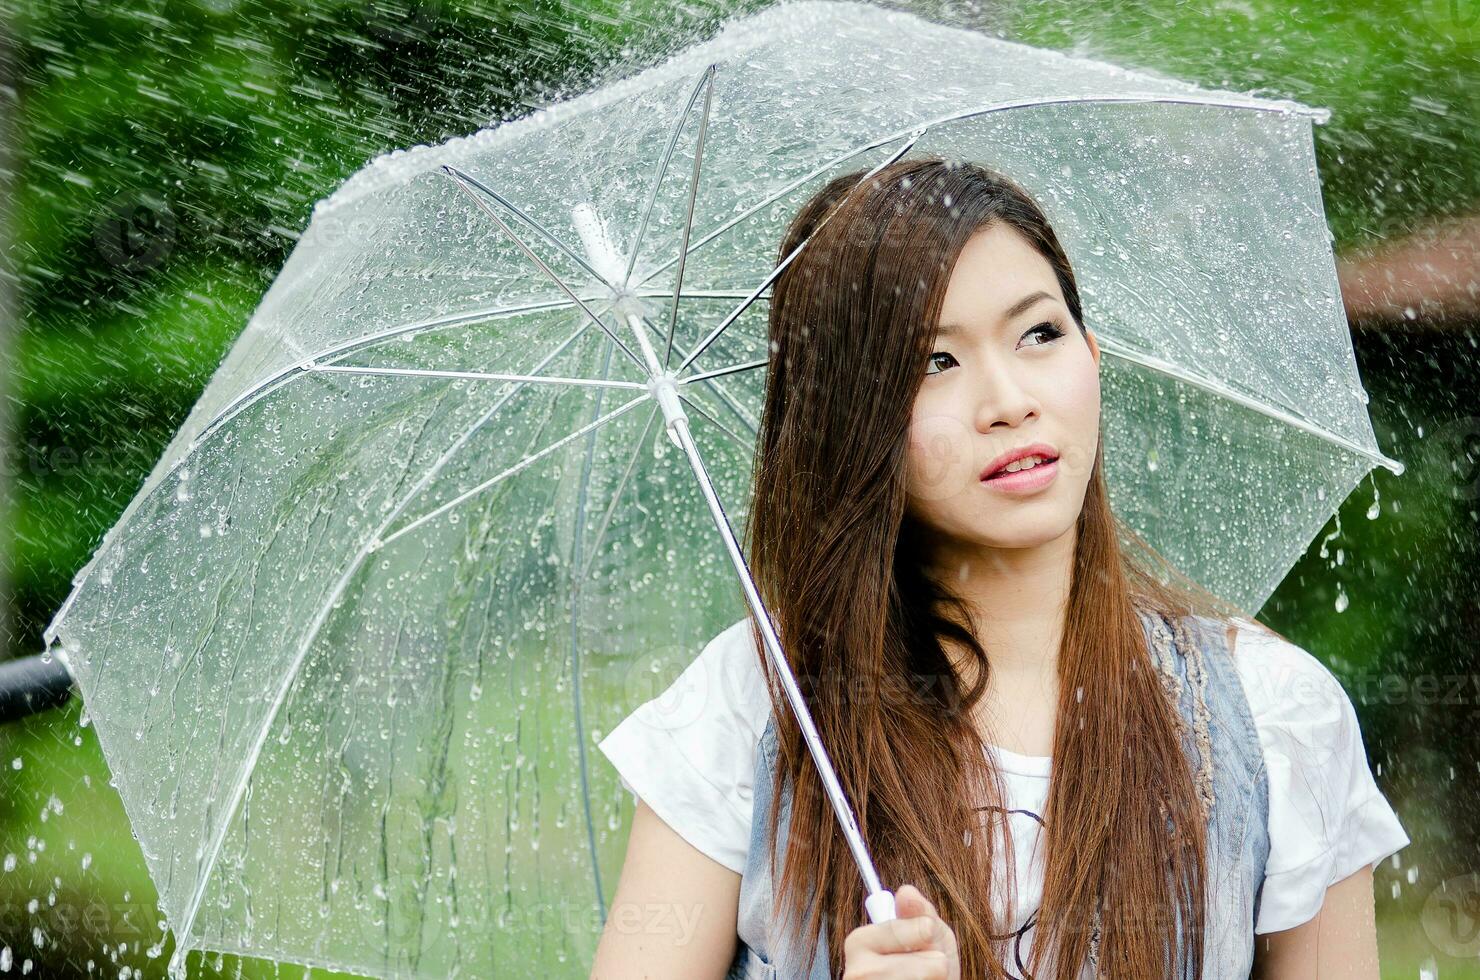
(690, 755)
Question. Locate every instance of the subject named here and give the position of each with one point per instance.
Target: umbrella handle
(880, 906)
(30, 685)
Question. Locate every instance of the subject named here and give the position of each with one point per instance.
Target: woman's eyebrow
(1012, 311)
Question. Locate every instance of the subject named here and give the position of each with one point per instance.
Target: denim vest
(1223, 749)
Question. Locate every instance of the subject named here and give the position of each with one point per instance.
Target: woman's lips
(1023, 481)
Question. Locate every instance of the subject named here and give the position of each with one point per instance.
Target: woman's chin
(1024, 531)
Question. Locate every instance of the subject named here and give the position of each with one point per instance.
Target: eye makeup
(1051, 330)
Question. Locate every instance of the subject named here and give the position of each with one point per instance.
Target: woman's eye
(929, 361)
(1049, 330)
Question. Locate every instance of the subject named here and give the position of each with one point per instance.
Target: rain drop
(1341, 599)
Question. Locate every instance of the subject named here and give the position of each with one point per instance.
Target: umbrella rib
(617, 494)
(239, 787)
(477, 376)
(517, 467)
(719, 372)
(766, 202)
(663, 169)
(575, 647)
(462, 181)
(731, 404)
(716, 422)
(345, 348)
(1319, 115)
(518, 212)
(688, 223)
(696, 294)
(1216, 387)
(914, 138)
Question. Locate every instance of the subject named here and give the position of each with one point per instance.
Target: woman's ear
(1094, 347)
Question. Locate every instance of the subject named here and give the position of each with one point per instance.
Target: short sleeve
(1327, 818)
(689, 753)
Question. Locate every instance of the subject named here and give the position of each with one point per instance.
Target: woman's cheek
(1079, 401)
(938, 452)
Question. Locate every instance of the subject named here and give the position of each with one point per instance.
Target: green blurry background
(163, 157)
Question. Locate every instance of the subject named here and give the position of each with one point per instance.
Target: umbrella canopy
(422, 540)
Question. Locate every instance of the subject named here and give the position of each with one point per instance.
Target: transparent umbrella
(466, 488)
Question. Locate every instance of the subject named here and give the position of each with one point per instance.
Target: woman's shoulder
(730, 663)
(1297, 704)
(719, 696)
(1282, 680)
(690, 752)
(1327, 816)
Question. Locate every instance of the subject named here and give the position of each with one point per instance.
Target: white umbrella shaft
(880, 901)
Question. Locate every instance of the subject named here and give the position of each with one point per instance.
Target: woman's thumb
(909, 902)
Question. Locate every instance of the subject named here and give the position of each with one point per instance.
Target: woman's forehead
(998, 275)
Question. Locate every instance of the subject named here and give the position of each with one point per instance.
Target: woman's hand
(917, 945)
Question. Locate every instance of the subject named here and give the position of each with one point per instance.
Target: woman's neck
(1018, 598)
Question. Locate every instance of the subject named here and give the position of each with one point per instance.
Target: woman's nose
(1002, 398)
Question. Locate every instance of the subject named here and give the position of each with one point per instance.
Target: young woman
(1074, 761)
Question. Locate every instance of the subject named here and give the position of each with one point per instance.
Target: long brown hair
(838, 563)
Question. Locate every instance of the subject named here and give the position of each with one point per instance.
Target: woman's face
(1009, 371)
